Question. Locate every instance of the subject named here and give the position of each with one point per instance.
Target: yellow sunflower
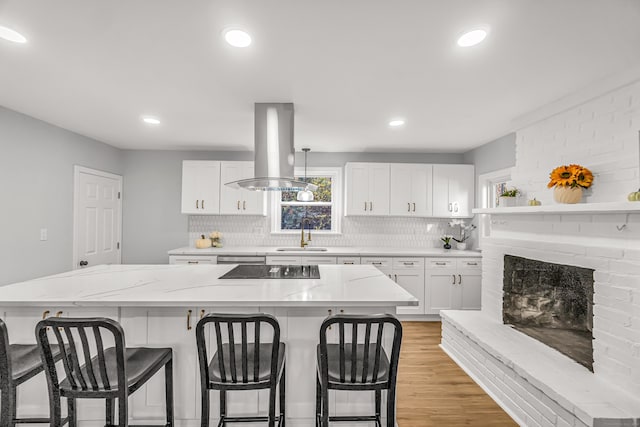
(562, 176)
(583, 176)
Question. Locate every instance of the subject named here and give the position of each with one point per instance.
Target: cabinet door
(382, 264)
(317, 260)
(283, 260)
(164, 327)
(441, 204)
(357, 189)
(348, 260)
(461, 189)
(378, 189)
(401, 195)
(200, 187)
(253, 202)
(471, 290)
(443, 291)
(409, 273)
(421, 186)
(230, 198)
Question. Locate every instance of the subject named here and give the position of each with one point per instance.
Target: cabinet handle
(341, 311)
(408, 207)
(193, 262)
(454, 279)
(371, 206)
(459, 279)
(414, 206)
(197, 204)
(396, 277)
(450, 207)
(202, 312)
(365, 206)
(244, 205)
(238, 204)
(389, 276)
(472, 263)
(407, 263)
(376, 263)
(455, 207)
(189, 320)
(45, 314)
(441, 263)
(202, 204)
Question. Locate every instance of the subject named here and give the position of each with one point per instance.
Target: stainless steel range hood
(274, 151)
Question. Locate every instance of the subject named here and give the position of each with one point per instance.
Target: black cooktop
(273, 272)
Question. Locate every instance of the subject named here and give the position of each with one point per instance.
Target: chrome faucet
(302, 242)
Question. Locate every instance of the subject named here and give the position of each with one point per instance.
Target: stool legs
(204, 416)
(7, 404)
(110, 411)
(71, 413)
(391, 406)
(168, 384)
(123, 412)
(223, 406)
(283, 400)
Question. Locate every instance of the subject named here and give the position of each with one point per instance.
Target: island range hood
(274, 151)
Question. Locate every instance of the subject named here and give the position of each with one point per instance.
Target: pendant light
(305, 195)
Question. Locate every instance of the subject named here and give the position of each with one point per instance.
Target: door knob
(84, 263)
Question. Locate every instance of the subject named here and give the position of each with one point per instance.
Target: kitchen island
(159, 305)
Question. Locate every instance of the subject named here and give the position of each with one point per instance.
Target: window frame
(486, 182)
(335, 173)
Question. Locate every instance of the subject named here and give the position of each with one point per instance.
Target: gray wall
(493, 156)
(152, 221)
(36, 166)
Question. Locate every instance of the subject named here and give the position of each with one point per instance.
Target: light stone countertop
(198, 285)
(331, 251)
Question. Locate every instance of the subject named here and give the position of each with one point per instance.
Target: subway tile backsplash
(356, 231)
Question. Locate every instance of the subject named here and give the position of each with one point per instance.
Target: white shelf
(578, 208)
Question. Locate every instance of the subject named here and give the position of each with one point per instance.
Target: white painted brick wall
(601, 134)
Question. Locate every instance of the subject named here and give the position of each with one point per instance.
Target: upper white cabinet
(239, 201)
(200, 187)
(453, 190)
(411, 189)
(367, 189)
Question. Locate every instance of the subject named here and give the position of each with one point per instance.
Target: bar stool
(18, 363)
(113, 373)
(350, 365)
(242, 365)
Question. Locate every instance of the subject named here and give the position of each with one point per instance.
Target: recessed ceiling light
(151, 120)
(396, 122)
(237, 38)
(11, 35)
(472, 37)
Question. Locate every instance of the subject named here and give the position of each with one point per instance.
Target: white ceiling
(95, 66)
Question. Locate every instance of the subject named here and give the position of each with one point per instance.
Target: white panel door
(421, 177)
(200, 187)
(471, 290)
(379, 189)
(97, 217)
(401, 190)
(443, 291)
(231, 199)
(461, 189)
(253, 201)
(441, 205)
(357, 189)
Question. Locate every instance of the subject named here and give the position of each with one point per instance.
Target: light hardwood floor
(434, 391)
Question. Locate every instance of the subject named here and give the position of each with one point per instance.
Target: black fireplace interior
(552, 303)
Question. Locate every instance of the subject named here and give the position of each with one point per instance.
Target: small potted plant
(508, 198)
(465, 233)
(569, 180)
(216, 239)
(447, 241)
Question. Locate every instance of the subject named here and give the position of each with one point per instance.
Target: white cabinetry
(453, 284)
(300, 260)
(383, 264)
(348, 260)
(200, 187)
(409, 273)
(367, 189)
(411, 190)
(192, 259)
(239, 201)
(453, 190)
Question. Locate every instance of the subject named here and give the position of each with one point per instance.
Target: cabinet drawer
(441, 264)
(471, 264)
(283, 260)
(316, 260)
(195, 259)
(408, 263)
(348, 260)
(377, 261)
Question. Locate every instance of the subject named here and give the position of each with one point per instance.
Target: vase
(567, 195)
(447, 246)
(461, 246)
(508, 202)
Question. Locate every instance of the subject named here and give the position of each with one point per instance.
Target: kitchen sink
(298, 249)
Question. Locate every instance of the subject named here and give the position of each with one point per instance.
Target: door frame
(77, 170)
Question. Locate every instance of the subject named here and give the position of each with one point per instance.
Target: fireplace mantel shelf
(578, 208)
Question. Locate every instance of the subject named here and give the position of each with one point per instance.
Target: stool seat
(264, 363)
(333, 359)
(141, 363)
(26, 361)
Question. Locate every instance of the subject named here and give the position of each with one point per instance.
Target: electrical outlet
(43, 234)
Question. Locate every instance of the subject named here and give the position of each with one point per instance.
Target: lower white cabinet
(347, 260)
(453, 284)
(383, 264)
(409, 273)
(192, 259)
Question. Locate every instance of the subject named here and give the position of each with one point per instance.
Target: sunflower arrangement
(570, 176)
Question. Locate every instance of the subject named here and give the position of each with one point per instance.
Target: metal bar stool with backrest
(18, 363)
(353, 365)
(247, 364)
(112, 373)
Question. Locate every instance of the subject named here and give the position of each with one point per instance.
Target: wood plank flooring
(434, 391)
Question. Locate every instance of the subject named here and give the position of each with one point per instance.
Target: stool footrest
(244, 419)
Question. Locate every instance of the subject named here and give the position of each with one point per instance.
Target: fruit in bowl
(634, 197)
